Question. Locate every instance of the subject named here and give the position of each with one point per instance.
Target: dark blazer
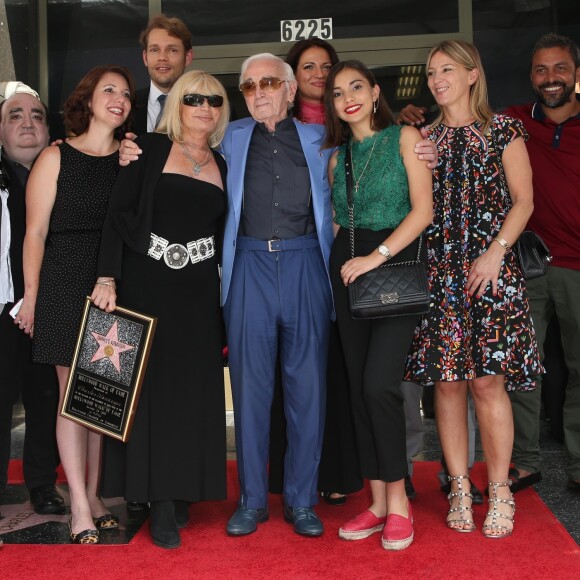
(17, 209)
(17, 371)
(130, 215)
(19, 376)
(140, 114)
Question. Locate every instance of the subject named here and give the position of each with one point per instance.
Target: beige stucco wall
(6, 60)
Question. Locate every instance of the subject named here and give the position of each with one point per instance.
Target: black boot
(181, 513)
(164, 530)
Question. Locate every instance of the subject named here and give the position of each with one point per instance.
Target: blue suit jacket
(235, 147)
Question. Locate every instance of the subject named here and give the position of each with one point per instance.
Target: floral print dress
(464, 337)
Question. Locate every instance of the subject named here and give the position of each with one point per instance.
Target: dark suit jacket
(17, 209)
(17, 370)
(140, 114)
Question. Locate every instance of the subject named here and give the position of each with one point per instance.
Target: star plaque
(108, 369)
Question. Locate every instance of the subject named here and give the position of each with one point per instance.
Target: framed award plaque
(107, 369)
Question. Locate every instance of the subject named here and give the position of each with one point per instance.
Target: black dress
(68, 271)
(177, 448)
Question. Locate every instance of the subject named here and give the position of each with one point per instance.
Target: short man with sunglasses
(276, 291)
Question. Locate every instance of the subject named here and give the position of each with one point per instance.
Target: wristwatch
(384, 251)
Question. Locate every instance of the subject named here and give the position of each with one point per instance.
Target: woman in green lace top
(393, 204)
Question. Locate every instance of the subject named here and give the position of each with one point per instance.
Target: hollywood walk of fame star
(21, 525)
(110, 347)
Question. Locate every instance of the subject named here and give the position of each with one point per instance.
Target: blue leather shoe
(306, 522)
(245, 521)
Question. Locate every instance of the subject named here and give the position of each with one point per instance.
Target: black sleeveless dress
(177, 446)
(68, 271)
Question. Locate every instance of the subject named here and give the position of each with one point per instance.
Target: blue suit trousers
(278, 302)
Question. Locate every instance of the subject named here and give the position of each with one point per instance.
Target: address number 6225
(293, 30)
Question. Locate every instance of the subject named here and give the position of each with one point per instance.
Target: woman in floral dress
(478, 334)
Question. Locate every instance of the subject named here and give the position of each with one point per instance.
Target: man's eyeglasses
(197, 100)
(268, 84)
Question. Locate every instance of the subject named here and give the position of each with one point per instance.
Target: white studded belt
(177, 256)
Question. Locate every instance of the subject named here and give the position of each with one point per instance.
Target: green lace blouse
(383, 199)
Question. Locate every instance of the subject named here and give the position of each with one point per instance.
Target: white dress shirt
(6, 284)
(153, 107)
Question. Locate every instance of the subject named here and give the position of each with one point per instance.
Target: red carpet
(16, 474)
(540, 547)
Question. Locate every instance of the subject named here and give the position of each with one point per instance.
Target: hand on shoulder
(128, 150)
(418, 142)
(412, 115)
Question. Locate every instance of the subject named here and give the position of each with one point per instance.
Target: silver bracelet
(105, 283)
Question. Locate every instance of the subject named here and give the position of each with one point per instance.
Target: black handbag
(531, 251)
(393, 289)
(533, 255)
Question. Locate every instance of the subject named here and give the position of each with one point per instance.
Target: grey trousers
(555, 293)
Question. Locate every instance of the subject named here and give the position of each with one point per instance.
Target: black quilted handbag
(393, 289)
(390, 290)
(533, 255)
(531, 251)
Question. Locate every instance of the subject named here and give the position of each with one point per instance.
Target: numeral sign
(293, 30)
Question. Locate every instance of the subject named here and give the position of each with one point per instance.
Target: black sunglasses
(197, 100)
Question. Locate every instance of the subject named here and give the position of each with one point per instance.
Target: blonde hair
(466, 55)
(195, 81)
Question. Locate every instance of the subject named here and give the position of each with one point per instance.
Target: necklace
(196, 165)
(357, 181)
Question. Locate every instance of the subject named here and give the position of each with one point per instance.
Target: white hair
(289, 73)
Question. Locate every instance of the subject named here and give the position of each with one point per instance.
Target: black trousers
(555, 380)
(38, 386)
(375, 352)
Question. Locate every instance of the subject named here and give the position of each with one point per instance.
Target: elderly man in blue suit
(276, 291)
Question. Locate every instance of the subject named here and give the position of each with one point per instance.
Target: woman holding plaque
(66, 201)
(159, 256)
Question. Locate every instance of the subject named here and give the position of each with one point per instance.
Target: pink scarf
(312, 112)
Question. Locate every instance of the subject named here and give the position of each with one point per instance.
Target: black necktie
(161, 100)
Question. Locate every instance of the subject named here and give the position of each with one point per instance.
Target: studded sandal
(465, 518)
(495, 514)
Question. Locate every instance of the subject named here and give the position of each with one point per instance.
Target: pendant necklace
(357, 181)
(196, 166)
